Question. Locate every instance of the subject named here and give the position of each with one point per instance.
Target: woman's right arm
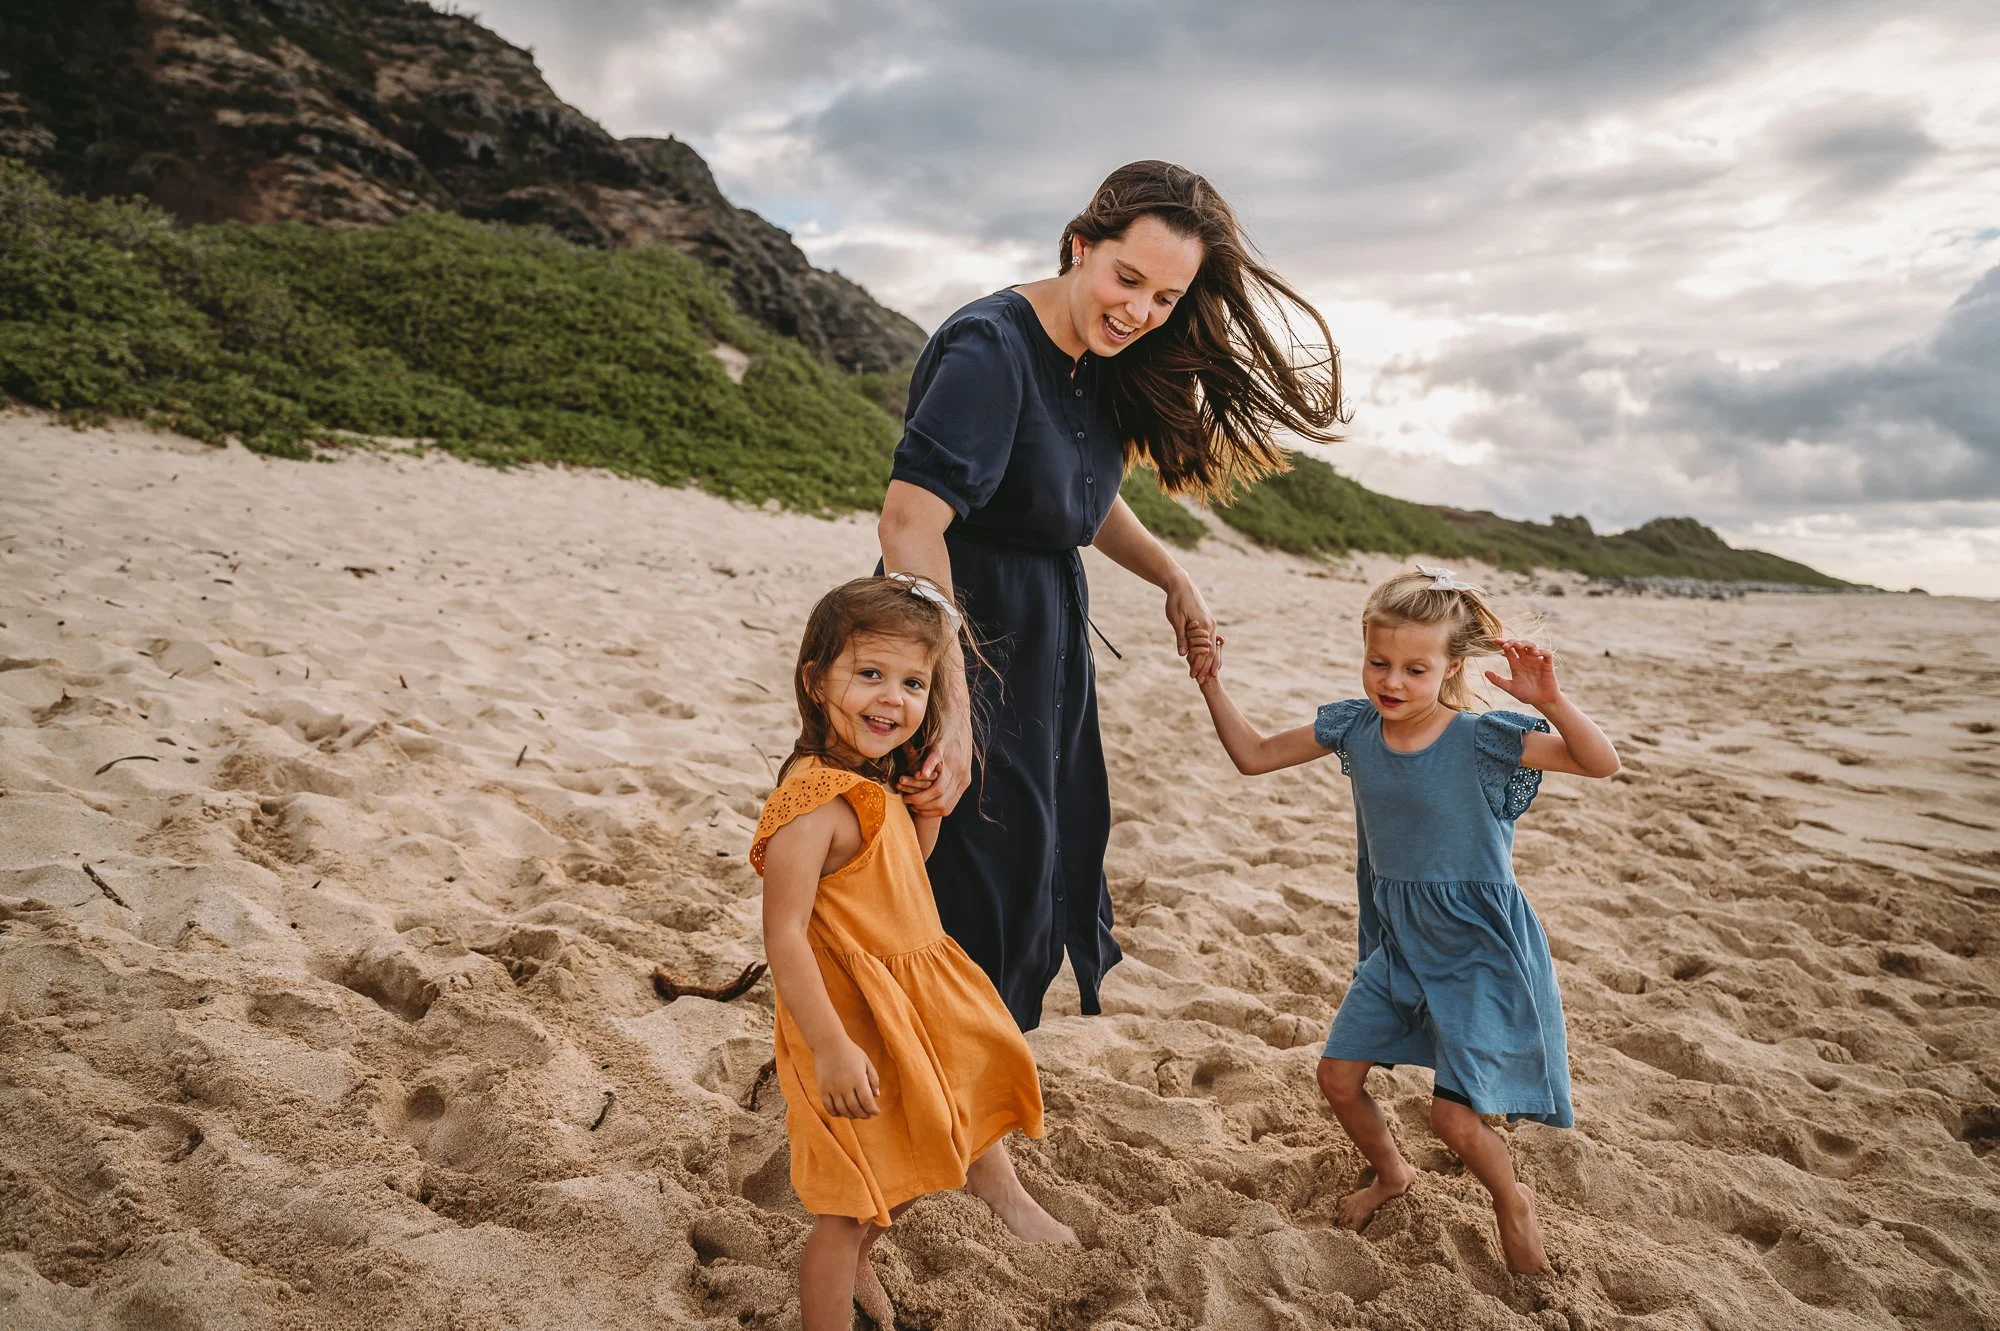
(793, 858)
(956, 444)
(912, 535)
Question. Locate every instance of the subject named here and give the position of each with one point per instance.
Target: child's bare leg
(992, 1180)
(1485, 1154)
(826, 1272)
(869, 1296)
(1344, 1083)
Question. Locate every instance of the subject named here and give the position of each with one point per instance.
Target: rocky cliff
(359, 111)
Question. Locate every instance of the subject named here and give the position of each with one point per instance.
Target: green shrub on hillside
(1313, 509)
(1161, 515)
(493, 342)
(509, 346)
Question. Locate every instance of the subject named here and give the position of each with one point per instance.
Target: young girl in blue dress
(1454, 971)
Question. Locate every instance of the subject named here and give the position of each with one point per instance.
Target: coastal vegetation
(510, 345)
(499, 343)
(1314, 510)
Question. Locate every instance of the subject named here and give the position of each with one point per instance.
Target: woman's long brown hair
(1201, 397)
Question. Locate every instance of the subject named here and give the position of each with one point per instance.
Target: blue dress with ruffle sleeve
(1454, 972)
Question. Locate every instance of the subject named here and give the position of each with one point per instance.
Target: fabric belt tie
(963, 533)
(1076, 590)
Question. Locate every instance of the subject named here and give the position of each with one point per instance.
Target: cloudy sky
(1732, 258)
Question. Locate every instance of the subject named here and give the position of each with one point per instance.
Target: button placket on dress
(1006, 875)
(1075, 411)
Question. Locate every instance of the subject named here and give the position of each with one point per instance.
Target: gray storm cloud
(1920, 422)
(1647, 186)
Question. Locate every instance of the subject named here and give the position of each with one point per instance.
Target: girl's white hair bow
(1443, 579)
(929, 591)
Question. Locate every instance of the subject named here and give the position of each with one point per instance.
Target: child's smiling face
(876, 694)
(1404, 665)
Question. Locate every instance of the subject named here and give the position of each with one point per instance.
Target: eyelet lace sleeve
(1330, 727)
(805, 789)
(1497, 739)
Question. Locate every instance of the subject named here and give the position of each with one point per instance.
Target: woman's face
(1125, 287)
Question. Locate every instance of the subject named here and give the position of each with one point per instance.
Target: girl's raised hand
(1531, 673)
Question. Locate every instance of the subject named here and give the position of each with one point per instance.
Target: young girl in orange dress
(900, 1064)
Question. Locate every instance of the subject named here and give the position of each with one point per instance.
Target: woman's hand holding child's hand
(1204, 654)
(848, 1084)
(1532, 674)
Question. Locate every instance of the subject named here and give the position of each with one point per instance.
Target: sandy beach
(346, 809)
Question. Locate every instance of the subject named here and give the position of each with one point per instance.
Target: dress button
(1079, 392)
(1079, 434)
(1090, 480)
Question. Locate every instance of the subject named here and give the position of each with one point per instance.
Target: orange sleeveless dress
(956, 1075)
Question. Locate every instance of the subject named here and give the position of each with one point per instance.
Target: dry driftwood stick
(764, 1074)
(519, 756)
(609, 1096)
(105, 887)
(128, 758)
(667, 987)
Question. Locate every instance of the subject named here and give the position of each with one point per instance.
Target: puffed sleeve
(960, 432)
(1497, 739)
(1331, 725)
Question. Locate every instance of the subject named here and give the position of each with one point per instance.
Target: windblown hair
(1409, 598)
(1201, 396)
(877, 607)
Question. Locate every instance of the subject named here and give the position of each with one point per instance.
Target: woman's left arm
(1126, 543)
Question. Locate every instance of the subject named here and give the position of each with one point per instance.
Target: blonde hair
(1417, 598)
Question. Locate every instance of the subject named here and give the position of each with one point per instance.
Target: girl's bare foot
(992, 1180)
(870, 1297)
(1027, 1221)
(1521, 1234)
(1358, 1208)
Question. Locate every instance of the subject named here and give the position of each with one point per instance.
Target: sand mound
(345, 811)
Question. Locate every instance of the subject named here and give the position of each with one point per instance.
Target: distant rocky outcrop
(360, 111)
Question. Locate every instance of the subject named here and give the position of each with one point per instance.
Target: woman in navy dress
(1155, 341)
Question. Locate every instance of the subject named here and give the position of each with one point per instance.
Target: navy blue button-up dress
(1020, 441)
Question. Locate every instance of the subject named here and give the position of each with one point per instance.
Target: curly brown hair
(877, 607)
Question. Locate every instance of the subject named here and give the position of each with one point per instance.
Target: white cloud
(1738, 190)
